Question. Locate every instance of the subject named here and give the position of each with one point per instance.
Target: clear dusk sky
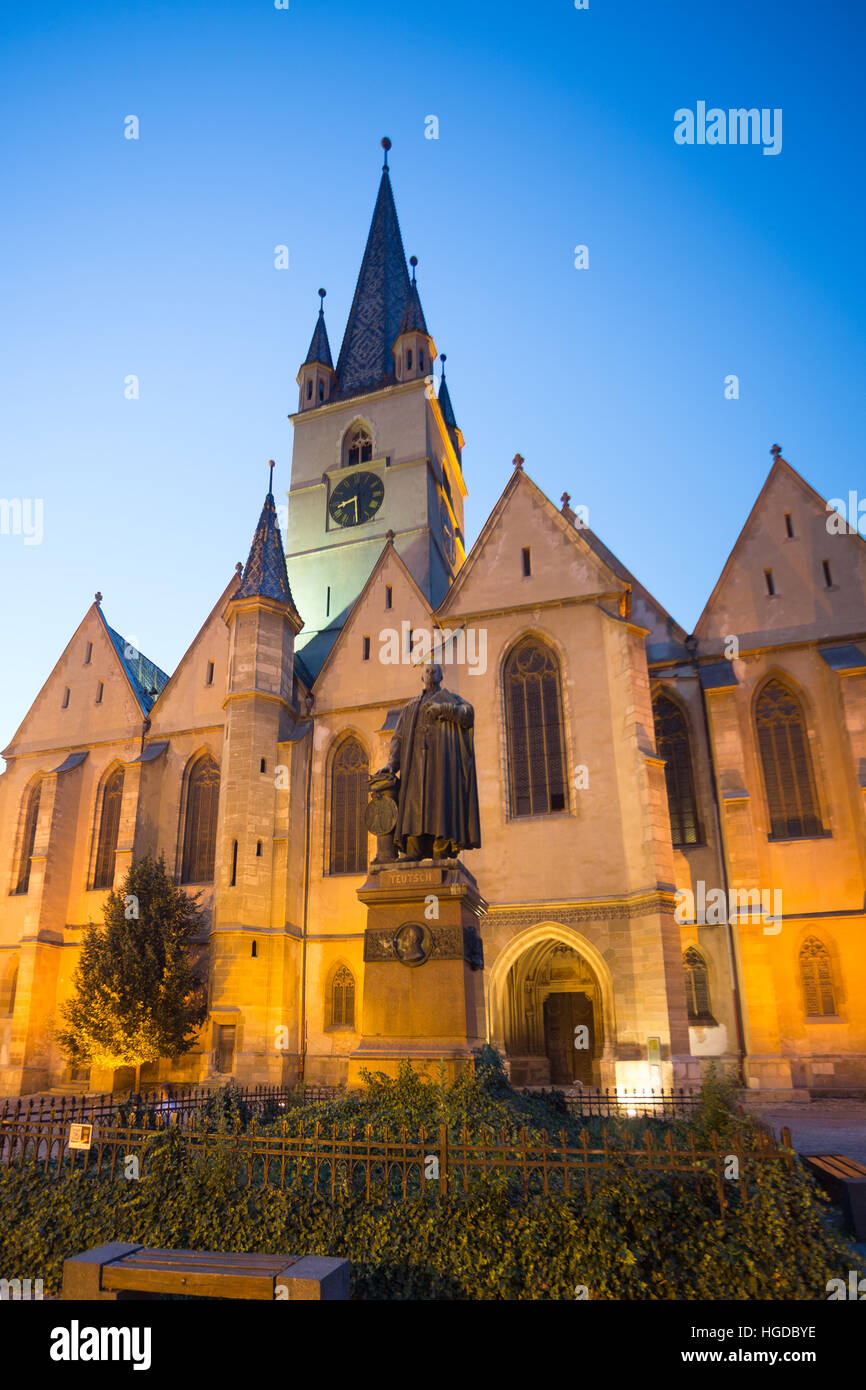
(261, 127)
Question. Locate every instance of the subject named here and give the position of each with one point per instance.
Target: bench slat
(223, 1283)
(838, 1166)
(194, 1260)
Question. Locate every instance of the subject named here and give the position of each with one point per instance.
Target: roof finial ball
(322, 294)
(271, 466)
(443, 358)
(413, 261)
(386, 145)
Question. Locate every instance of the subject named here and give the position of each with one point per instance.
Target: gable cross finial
(518, 461)
(98, 596)
(776, 450)
(565, 499)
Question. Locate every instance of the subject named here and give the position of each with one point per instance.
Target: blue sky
(261, 127)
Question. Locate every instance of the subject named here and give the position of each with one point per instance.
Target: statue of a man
(433, 751)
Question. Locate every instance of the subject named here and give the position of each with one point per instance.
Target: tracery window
(359, 446)
(200, 825)
(792, 798)
(817, 978)
(28, 839)
(109, 827)
(697, 986)
(349, 777)
(536, 746)
(672, 741)
(342, 999)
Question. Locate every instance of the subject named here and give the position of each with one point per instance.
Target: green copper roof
(146, 677)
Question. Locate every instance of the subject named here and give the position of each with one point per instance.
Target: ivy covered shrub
(638, 1235)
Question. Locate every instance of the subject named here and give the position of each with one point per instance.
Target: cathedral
(672, 859)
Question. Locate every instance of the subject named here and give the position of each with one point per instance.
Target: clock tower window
(359, 447)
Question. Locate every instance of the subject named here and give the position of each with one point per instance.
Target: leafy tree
(137, 997)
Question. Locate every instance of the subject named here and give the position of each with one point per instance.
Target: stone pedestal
(423, 968)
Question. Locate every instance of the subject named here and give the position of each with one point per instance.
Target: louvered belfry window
(697, 986)
(349, 778)
(343, 999)
(200, 829)
(672, 740)
(788, 777)
(817, 978)
(28, 840)
(533, 707)
(109, 826)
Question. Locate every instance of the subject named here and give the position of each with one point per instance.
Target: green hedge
(640, 1235)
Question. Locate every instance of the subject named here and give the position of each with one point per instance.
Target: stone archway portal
(554, 1017)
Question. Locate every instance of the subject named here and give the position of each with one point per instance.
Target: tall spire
(320, 348)
(413, 317)
(366, 358)
(265, 574)
(444, 399)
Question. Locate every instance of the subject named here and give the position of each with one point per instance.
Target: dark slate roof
(265, 573)
(717, 675)
(413, 317)
(146, 677)
(74, 760)
(320, 348)
(366, 357)
(445, 405)
(151, 752)
(844, 658)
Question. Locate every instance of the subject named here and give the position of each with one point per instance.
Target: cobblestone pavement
(819, 1126)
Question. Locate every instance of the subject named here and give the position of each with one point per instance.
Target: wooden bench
(844, 1179)
(119, 1271)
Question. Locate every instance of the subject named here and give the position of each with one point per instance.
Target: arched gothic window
(28, 839)
(817, 978)
(672, 740)
(792, 798)
(536, 747)
(109, 826)
(342, 999)
(697, 987)
(349, 777)
(358, 446)
(200, 827)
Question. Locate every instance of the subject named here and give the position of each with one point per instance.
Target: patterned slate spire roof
(320, 348)
(444, 398)
(366, 358)
(413, 318)
(265, 574)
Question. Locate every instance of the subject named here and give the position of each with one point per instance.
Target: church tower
(251, 958)
(375, 452)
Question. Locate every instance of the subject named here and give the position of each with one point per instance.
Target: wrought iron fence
(618, 1101)
(393, 1165)
(167, 1100)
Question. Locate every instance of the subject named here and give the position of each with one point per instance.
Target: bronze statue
(433, 751)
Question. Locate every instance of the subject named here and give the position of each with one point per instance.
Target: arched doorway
(553, 1017)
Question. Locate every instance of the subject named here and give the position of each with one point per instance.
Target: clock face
(356, 498)
(447, 532)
